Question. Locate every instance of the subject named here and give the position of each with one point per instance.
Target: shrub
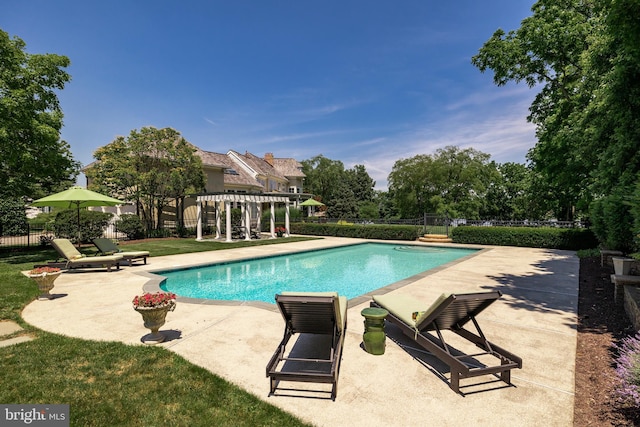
(613, 222)
(92, 224)
(13, 220)
(628, 371)
(369, 231)
(295, 215)
(543, 237)
(131, 225)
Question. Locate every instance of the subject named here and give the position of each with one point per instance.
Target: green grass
(110, 383)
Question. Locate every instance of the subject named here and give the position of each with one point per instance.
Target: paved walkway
(535, 319)
(10, 333)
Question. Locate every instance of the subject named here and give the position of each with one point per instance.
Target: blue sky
(363, 82)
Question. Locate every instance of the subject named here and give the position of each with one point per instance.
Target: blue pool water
(351, 271)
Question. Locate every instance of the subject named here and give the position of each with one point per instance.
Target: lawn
(109, 383)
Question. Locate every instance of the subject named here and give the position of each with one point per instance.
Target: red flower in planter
(158, 299)
(47, 270)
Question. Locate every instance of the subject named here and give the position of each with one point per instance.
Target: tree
(409, 186)
(324, 178)
(150, 166)
(343, 204)
(548, 51)
(452, 181)
(586, 59)
(33, 161)
(322, 174)
(361, 183)
(507, 197)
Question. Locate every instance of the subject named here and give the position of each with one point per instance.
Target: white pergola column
(248, 203)
(218, 218)
(286, 218)
(227, 208)
(199, 225)
(272, 221)
(247, 221)
(259, 219)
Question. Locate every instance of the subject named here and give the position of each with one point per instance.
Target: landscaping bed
(601, 324)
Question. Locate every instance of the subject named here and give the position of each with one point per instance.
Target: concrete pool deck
(536, 319)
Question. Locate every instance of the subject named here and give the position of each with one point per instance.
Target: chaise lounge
(451, 312)
(74, 259)
(318, 314)
(107, 247)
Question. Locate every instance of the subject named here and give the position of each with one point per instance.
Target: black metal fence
(39, 234)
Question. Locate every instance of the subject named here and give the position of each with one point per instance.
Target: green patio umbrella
(311, 202)
(76, 197)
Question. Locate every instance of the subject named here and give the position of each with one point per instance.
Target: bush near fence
(544, 237)
(368, 231)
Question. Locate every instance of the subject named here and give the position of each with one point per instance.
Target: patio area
(535, 319)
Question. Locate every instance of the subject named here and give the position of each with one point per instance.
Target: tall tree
(343, 204)
(33, 159)
(547, 52)
(584, 57)
(452, 181)
(151, 166)
(361, 183)
(409, 186)
(613, 114)
(322, 174)
(508, 196)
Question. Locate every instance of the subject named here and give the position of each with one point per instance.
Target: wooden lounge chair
(451, 312)
(315, 313)
(74, 259)
(107, 247)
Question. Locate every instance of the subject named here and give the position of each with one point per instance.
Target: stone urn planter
(154, 309)
(44, 277)
(622, 266)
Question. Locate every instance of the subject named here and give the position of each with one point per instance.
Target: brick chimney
(268, 157)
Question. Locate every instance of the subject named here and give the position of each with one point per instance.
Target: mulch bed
(601, 324)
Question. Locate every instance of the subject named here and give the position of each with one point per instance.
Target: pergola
(246, 201)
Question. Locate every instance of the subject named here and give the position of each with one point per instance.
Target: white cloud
(506, 136)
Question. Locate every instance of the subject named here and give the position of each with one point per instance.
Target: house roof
(288, 167)
(258, 165)
(211, 159)
(238, 172)
(233, 174)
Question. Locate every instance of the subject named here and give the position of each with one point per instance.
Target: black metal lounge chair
(316, 313)
(451, 312)
(74, 259)
(107, 247)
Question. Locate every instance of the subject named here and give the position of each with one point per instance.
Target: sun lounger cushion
(403, 306)
(340, 304)
(107, 247)
(74, 257)
(435, 305)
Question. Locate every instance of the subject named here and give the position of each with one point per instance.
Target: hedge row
(369, 231)
(544, 237)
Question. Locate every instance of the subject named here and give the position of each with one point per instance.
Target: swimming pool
(350, 270)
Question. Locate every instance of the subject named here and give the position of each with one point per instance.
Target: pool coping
(155, 279)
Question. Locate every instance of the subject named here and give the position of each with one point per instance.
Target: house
(242, 174)
(258, 183)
